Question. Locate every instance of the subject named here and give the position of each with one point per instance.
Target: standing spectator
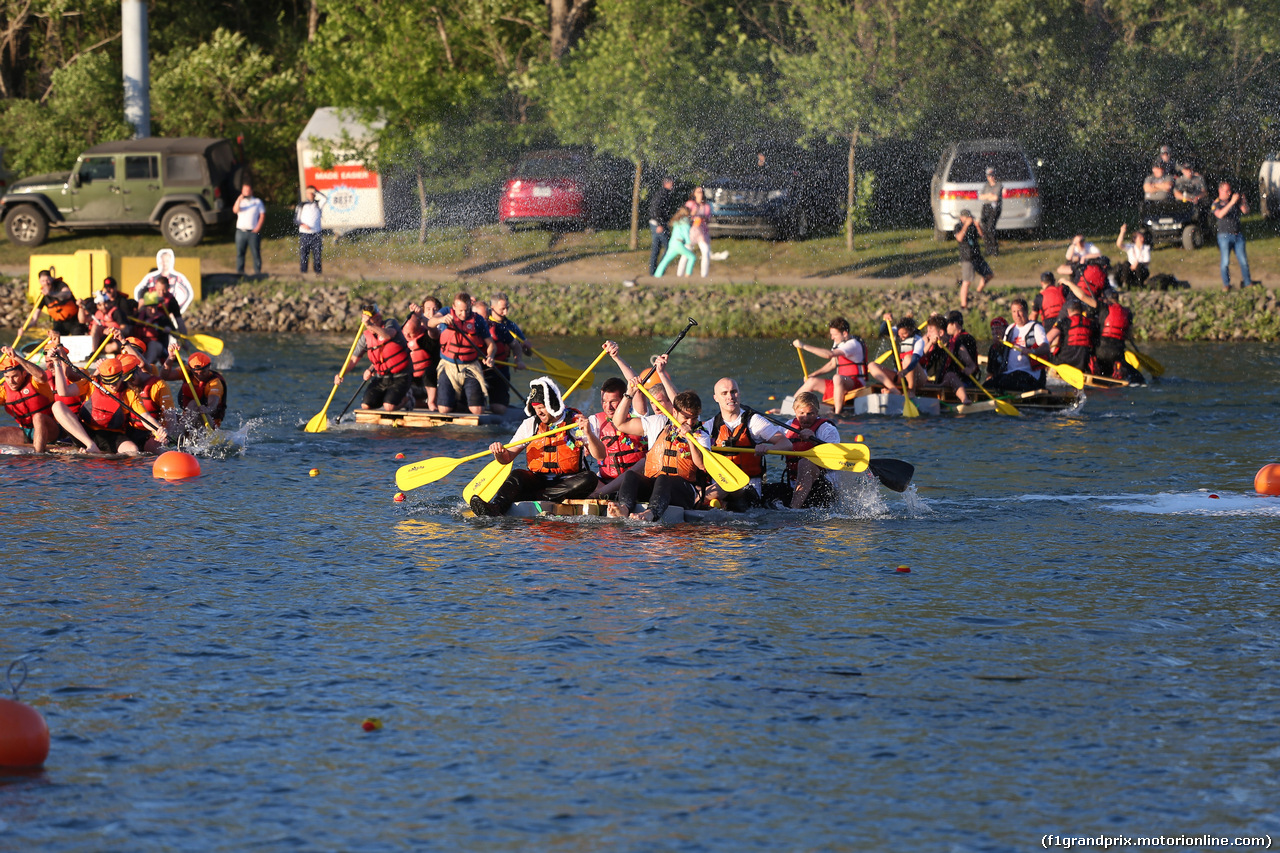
(661, 208)
(992, 198)
(1228, 208)
(969, 236)
(250, 214)
(1165, 160)
(700, 227)
(307, 217)
(1137, 270)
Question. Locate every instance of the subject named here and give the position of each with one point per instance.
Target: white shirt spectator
(251, 211)
(1087, 250)
(309, 216)
(1138, 254)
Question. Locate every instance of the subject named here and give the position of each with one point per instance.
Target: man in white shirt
(250, 214)
(1021, 373)
(308, 219)
(1080, 251)
(736, 426)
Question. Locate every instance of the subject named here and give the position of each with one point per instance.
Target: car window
(548, 167)
(141, 168)
(183, 169)
(97, 169)
(970, 167)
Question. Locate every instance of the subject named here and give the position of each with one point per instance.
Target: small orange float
(175, 465)
(1267, 480)
(24, 736)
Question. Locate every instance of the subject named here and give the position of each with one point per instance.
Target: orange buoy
(24, 736)
(175, 465)
(1267, 480)
(399, 498)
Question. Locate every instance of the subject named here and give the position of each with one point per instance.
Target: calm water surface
(1086, 642)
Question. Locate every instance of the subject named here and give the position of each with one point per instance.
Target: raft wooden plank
(422, 419)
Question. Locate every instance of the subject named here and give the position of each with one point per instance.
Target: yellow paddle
(554, 374)
(1003, 407)
(492, 476)
(1073, 376)
(195, 395)
(30, 319)
(729, 477)
(1152, 366)
(99, 350)
(552, 365)
(320, 422)
(804, 371)
(834, 457)
(208, 343)
(417, 474)
(909, 409)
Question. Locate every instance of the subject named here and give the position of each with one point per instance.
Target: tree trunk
(565, 17)
(635, 207)
(313, 20)
(852, 195)
(422, 205)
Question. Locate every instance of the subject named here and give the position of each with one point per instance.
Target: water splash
(219, 443)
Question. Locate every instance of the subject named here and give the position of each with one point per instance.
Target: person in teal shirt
(679, 247)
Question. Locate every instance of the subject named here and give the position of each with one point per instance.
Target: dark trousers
(313, 245)
(1133, 278)
(1015, 380)
(990, 215)
(253, 242)
(661, 491)
(527, 486)
(661, 239)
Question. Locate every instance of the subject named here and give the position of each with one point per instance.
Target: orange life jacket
(67, 309)
(670, 455)
(109, 414)
(390, 357)
(27, 402)
(462, 342)
(556, 454)
(722, 436)
(621, 451)
(202, 388)
(152, 398)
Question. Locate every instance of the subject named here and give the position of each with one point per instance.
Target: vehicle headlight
(777, 194)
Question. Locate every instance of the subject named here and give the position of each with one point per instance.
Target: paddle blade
(909, 409)
(319, 423)
(893, 474)
(1132, 360)
(727, 476)
(418, 474)
(208, 343)
(1154, 367)
(1004, 407)
(555, 365)
(488, 481)
(840, 457)
(1070, 375)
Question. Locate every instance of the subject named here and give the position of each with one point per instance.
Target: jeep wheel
(1192, 238)
(182, 226)
(1264, 199)
(26, 225)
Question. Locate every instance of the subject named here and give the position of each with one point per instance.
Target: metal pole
(137, 70)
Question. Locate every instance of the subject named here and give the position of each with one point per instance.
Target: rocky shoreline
(722, 310)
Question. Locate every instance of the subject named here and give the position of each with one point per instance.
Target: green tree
(858, 76)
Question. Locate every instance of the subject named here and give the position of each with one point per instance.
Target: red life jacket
(202, 388)
(847, 367)
(390, 357)
(25, 403)
(424, 352)
(1116, 323)
(1051, 301)
(103, 316)
(1079, 331)
(109, 414)
(793, 430)
(462, 342)
(621, 451)
(556, 454)
(722, 436)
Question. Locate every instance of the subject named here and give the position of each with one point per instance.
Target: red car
(565, 187)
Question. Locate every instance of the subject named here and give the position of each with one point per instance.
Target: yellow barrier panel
(84, 271)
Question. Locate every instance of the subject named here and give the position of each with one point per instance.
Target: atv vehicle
(1174, 221)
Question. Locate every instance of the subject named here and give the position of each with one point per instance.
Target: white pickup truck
(1269, 187)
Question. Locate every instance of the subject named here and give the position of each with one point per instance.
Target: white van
(962, 173)
(1268, 187)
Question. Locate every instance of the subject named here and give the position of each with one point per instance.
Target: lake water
(1086, 643)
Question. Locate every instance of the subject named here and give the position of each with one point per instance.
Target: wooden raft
(422, 419)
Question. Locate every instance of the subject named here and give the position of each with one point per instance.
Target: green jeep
(177, 185)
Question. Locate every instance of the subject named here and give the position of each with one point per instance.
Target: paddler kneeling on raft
(673, 466)
(806, 483)
(556, 465)
(43, 417)
(738, 426)
(107, 415)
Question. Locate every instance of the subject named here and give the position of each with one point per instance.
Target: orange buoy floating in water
(24, 736)
(175, 465)
(1267, 480)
